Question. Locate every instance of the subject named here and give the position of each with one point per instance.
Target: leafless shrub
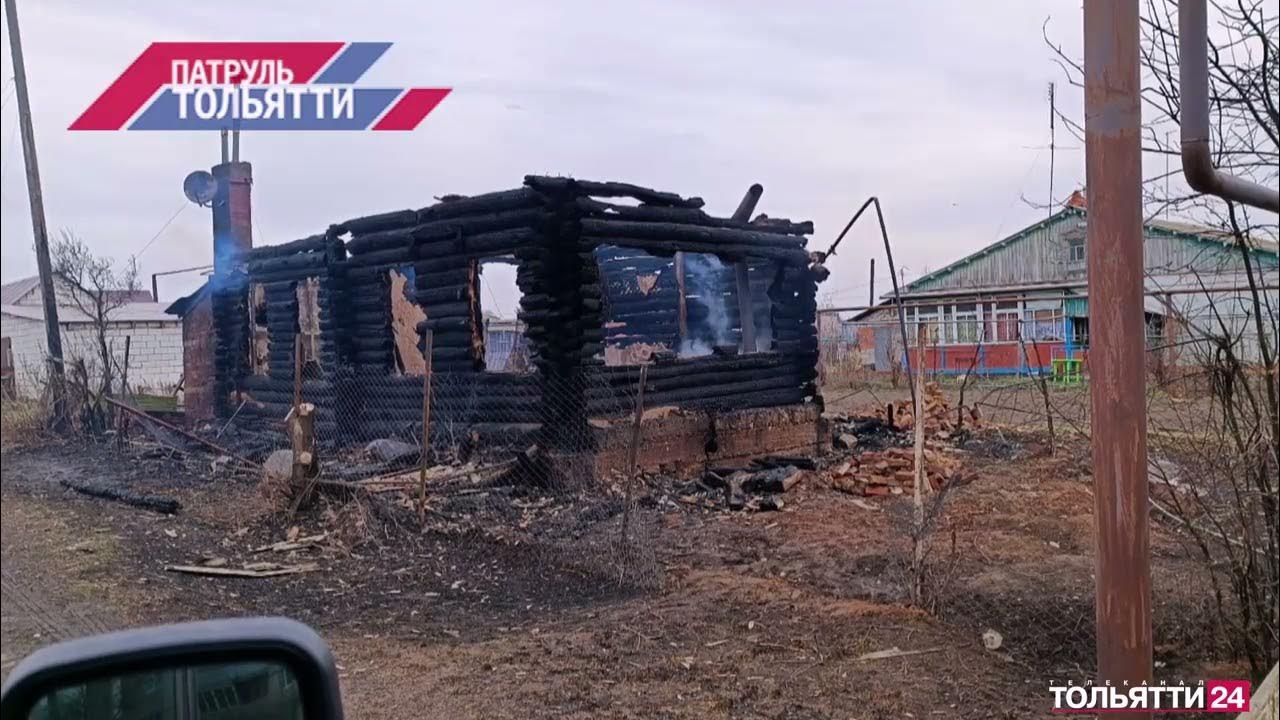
(1217, 461)
(1216, 467)
(98, 289)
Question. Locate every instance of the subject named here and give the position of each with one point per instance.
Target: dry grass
(23, 423)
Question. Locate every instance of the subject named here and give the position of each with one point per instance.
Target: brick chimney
(1076, 200)
(232, 214)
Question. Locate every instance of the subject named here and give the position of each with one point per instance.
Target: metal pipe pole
(48, 296)
(742, 278)
(1113, 171)
(1193, 83)
(871, 299)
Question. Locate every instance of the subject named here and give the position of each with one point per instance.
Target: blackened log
(606, 227)
(649, 213)
(399, 237)
(478, 204)
(359, 320)
(300, 262)
(314, 243)
(376, 223)
(309, 387)
(384, 259)
(287, 277)
(557, 185)
(441, 295)
(358, 277)
(112, 492)
(707, 364)
(789, 256)
(799, 344)
(476, 406)
(366, 301)
(375, 342)
(501, 242)
(781, 376)
(277, 290)
(442, 263)
(448, 278)
(381, 358)
(441, 310)
(444, 228)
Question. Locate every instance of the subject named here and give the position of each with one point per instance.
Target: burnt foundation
(721, 310)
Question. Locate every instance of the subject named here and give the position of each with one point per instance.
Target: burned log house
(611, 276)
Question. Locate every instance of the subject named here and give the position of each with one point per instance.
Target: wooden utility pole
(1053, 110)
(45, 266)
(1117, 372)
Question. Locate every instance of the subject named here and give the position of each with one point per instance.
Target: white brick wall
(155, 350)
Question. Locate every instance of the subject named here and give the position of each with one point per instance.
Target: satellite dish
(200, 187)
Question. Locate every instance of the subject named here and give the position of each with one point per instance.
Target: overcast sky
(940, 108)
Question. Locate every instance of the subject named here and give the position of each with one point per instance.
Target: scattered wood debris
(252, 570)
(124, 495)
(895, 653)
(297, 543)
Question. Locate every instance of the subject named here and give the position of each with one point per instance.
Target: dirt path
(738, 614)
(43, 565)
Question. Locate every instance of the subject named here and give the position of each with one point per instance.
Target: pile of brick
(890, 471)
(939, 415)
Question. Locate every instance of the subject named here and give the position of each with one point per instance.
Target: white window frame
(1071, 251)
(975, 319)
(935, 319)
(1006, 315)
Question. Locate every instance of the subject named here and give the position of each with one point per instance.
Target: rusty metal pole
(1113, 160)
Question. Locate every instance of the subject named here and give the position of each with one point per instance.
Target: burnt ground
(512, 603)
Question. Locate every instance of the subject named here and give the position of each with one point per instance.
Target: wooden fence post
(917, 563)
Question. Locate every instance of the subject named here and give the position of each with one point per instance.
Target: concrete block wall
(155, 353)
(27, 344)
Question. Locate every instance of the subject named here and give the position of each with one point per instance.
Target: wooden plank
(241, 572)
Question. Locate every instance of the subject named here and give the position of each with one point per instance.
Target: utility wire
(8, 93)
(159, 232)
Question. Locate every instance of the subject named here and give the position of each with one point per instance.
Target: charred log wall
(577, 257)
(280, 270)
(634, 241)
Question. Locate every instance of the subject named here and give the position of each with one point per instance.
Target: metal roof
(1168, 228)
(129, 312)
(11, 293)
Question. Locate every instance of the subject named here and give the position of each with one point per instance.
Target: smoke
(704, 276)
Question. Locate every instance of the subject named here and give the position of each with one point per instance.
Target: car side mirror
(225, 669)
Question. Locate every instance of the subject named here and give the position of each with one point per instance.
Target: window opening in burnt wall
(406, 316)
(686, 305)
(259, 335)
(714, 309)
(505, 348)
(308, 294)
(641, 305)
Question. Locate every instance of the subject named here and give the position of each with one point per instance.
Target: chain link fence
(1005, 550)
